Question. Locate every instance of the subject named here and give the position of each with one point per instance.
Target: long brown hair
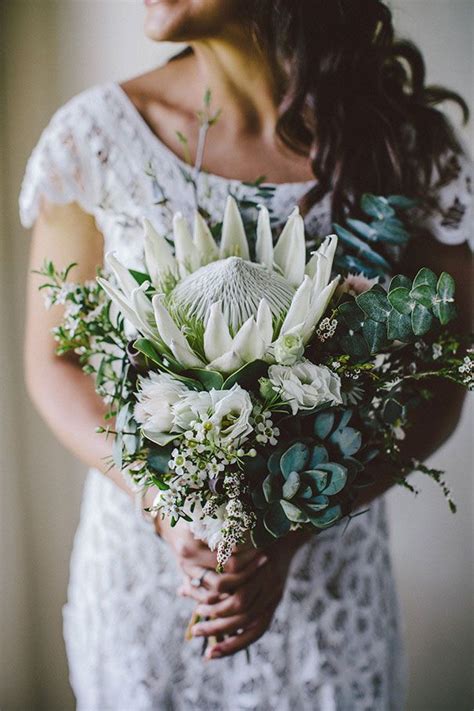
(354, 98)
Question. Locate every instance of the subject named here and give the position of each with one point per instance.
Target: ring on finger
(198, 582)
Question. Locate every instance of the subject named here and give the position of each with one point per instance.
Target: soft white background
(53, 49)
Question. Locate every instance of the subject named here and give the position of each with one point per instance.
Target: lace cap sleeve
(60, 167)
(451, 219)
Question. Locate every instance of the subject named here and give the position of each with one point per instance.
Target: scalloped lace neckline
(171, 155)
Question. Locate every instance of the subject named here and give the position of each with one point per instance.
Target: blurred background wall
(51, 50)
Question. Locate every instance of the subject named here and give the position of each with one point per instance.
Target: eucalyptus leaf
(400, 280)
(401, 301)
(423, 294)
(425, 277)
(421, 320)
(374, 303)
(363, 229)
(375, 334)
(399, 327)
(446, 287)
(444, 312)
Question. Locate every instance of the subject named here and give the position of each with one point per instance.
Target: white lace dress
(334, 643)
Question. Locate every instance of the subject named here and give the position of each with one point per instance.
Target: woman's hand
(246, 612)
(199, 563)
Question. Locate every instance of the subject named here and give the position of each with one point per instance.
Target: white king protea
(212, 307)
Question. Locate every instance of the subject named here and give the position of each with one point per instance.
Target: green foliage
(366, 244)
(372, 321)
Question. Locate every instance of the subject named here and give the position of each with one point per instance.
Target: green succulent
(371, 321)
(305, 477)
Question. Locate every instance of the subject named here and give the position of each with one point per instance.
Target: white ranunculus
(305, 385)
(288, 349)
(193, 405)
(231, 410)
(156, 397)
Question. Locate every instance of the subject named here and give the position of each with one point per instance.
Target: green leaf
(444, 312)
(140, 277)
(158, 460)
(400, 299)
(318, 479)
(390, 230)
(328, 518)
(363, 229)
(122, 418)
(338, 478)
(348, 440)
(350, 314)
(446, 287)
(147, 348)
(399, 327)
(400, 280)
(318, 455)
(421, 320)
(374, 303)
(275, 521)
(294, 459)
(401, 202)
(117, 451)
(376, 206)
(247, 376)
(355, 346)
(159, 438)
(271, 488)
(291, 486)
(375, 334)
(424, 295)
(211, 379)
(392, 411)
(323, 424)
(362, 248)
(425, 277)
(294, 513)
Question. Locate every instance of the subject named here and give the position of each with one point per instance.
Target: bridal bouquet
(248, 384)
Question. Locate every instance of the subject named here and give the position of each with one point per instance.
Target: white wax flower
(305, 385)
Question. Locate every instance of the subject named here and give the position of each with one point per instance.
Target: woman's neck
(240, 78)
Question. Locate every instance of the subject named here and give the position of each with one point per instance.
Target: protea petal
(322, 273)
(217, 339)
(184, 355)
(317, 308)
(328, 247)
(125, 280)
(299, 309)
(159, 258)
(204, 241)
(122, 303)
(290, 250)
(264, 243)
(227, 363)
(170, 334)
(186, 253)
(265, 322)
(248, 342)
(234, 240)
(143, 308)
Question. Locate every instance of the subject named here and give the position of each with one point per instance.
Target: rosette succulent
(305, 478)
(209, 306)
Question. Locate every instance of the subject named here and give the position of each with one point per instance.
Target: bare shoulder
(162, 87)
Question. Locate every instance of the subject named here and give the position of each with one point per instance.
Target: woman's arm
(62, 393)
(434, 421)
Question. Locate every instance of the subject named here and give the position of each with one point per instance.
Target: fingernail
(262, 561)
(196, 630)
(214, 653)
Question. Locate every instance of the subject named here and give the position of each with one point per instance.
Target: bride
(314, 97)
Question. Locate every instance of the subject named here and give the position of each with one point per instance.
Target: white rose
(288, 349)
(156, 397)
(231, 410)
(305, 385)
(192, 406)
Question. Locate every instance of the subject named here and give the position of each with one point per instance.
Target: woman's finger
(239, 560)
(233, 623)
(235, 604)
(200, 595)
(231, 645)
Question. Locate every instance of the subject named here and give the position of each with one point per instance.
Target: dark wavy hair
(353, 97)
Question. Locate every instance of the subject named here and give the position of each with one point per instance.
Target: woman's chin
(165, 21)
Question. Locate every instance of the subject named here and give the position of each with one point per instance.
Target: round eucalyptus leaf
(424, 295)
(374, 303)
(425, 277)
(399, 327)
(421, 320)
(401, 301)
(446, 287)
